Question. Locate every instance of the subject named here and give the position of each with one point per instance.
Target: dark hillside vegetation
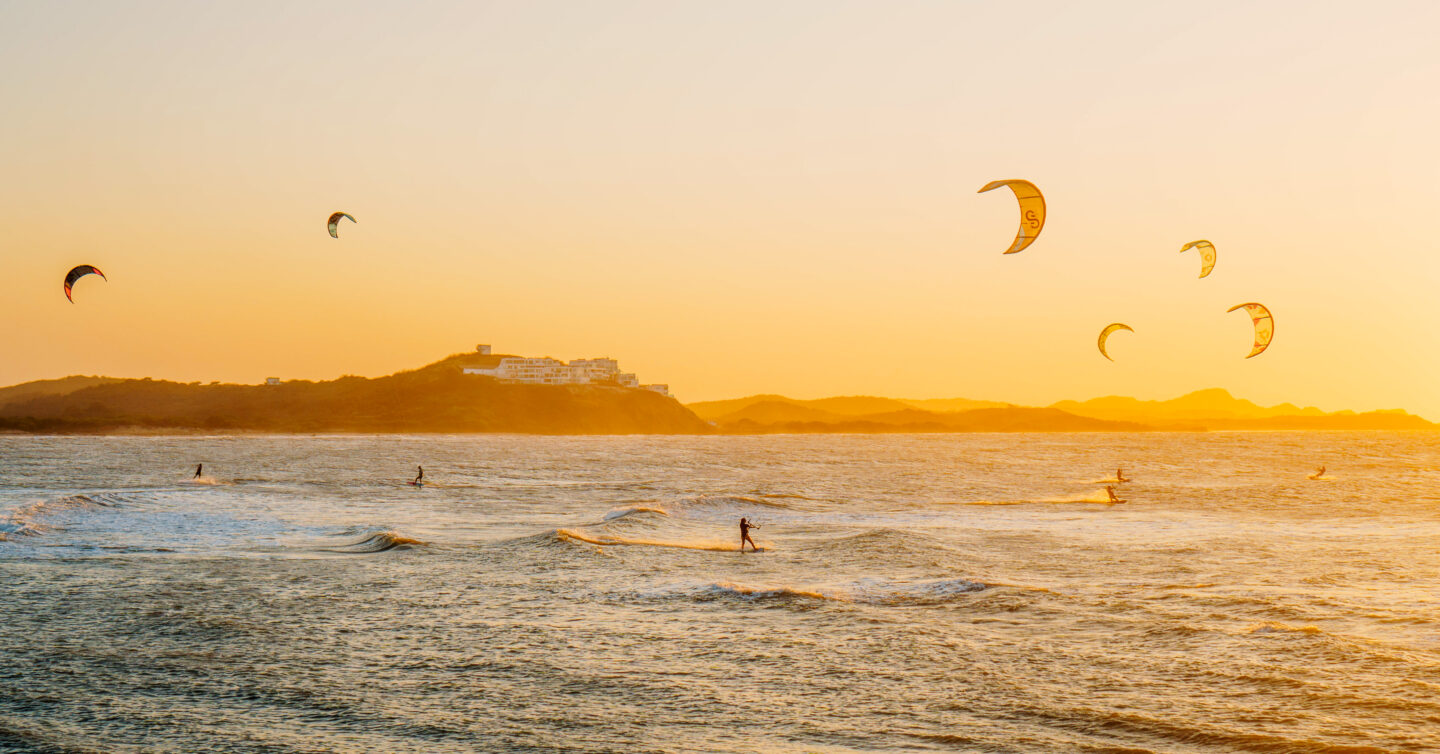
(435, 398)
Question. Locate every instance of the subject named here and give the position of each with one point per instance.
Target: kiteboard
(417, 484)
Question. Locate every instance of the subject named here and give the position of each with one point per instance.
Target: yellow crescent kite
(1032, 211)
(1264, 326)
(1106, 333)
(1207, 255)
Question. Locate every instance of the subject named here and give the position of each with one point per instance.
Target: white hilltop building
(548, 371)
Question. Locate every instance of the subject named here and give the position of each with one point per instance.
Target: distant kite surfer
(745, 527)
(1319, 472)
(199, 468)
(420, 477)
(1120, 476)
(1113, 497)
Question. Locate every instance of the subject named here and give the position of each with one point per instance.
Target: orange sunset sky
(732, 197)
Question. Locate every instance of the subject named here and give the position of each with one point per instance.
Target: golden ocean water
(936, 592)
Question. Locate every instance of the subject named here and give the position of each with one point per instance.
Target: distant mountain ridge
(868, 414)
(849, 405)
(1211, 403)
(1212, 409)
(1218, 409)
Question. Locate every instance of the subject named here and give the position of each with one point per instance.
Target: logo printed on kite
(1032, 211)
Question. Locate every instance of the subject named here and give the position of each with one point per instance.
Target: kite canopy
(80, 272)
(1032, 211)
(1106, 334)
(1207, 255)
(1264, 326)
(334, 223)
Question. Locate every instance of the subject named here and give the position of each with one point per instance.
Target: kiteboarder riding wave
(745, 527)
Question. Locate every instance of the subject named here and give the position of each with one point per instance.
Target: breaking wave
(634, 511)
(380, 541)
(738, 501)
(1093, 497)
(863, 591)
(782, 495)
(606, 540)
(23, 521)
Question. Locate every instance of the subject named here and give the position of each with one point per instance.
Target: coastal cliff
(436, 398)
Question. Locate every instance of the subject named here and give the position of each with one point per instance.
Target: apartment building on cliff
(548, 371)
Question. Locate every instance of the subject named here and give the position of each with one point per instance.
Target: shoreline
(133, 431)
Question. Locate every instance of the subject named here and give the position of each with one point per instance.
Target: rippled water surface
(937, 592)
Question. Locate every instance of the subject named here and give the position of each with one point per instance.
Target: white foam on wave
(22, 521)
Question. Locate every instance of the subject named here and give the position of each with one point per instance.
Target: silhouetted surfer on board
(1319, 472)
(745, 527)
(1120, 476)
(199, 467)
(420, 477)
(1113, 497)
